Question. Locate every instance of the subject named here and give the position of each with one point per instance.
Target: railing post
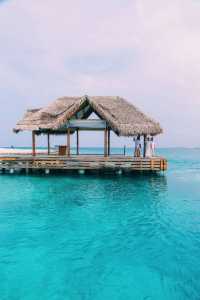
(48, 141)
(145, 145)
(108, 141)
(68, 141)
(33, 144)
(124, 150)
(77, 142)
(105, 142)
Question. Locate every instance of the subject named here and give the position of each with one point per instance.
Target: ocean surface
(102, 238)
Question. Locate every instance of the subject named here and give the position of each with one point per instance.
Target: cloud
(147, 51)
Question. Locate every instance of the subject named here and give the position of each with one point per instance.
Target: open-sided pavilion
(70, 115)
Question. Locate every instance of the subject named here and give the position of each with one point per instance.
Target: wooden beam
(124, 150)
(33, 144)
(48, 142)
(77, 142)
(87, 124)
(83, 162)
(108, 142)
(68, 142)
(105, 142)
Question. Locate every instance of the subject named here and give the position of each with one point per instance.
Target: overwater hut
(68, 115)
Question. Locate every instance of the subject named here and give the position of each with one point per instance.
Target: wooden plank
(165, 165)
(7, 158)
(152, 164)
(161, 164)
(86, 158)
(83, 162)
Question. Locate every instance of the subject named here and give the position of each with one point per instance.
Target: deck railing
(82, 162)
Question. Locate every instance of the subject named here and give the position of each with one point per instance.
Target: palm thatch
(121, 116)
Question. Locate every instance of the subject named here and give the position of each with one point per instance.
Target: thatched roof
(121, 116)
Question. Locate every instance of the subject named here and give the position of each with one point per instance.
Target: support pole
(33, 143)
(27, 168)
(48, 141)
(145, 144)
(124, 150)
(47, 171)
(108, 142)
(77, 142)
(68, 142)
(105, 142)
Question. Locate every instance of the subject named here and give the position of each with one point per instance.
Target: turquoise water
(90, 237)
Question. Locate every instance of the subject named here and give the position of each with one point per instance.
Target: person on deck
(137, 152)
(148, 148)
(152, 146)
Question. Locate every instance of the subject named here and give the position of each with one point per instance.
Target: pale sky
(146, 51)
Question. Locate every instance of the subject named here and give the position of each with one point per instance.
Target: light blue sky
(146, 51)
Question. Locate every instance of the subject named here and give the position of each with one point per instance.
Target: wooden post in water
(145, 145)
(105, 142)
(68, 141)
(108, 142)
(77, 142)
(33, 143)
(48, 141)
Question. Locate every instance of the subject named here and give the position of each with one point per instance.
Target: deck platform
(81, 162)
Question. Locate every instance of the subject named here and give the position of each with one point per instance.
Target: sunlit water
(109, 237)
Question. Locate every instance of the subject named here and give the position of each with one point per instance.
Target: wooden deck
(116, 163)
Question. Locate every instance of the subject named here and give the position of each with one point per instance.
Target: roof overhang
(120, 116)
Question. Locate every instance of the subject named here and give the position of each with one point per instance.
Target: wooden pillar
(105, 142)
(33, 144)
(68, 142)
(124, 150)
(144, 148)
(48, 141)
(77, 142)
(108, 142)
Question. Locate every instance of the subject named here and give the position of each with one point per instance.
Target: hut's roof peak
(122, 116)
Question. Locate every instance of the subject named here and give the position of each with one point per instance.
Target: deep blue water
(109, 237)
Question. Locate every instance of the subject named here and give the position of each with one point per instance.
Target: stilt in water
(81, 172)
(27, 169)
(119, 172)
(47, 171)
(12, 171)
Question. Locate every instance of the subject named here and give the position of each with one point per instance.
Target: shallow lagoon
(108, 237)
